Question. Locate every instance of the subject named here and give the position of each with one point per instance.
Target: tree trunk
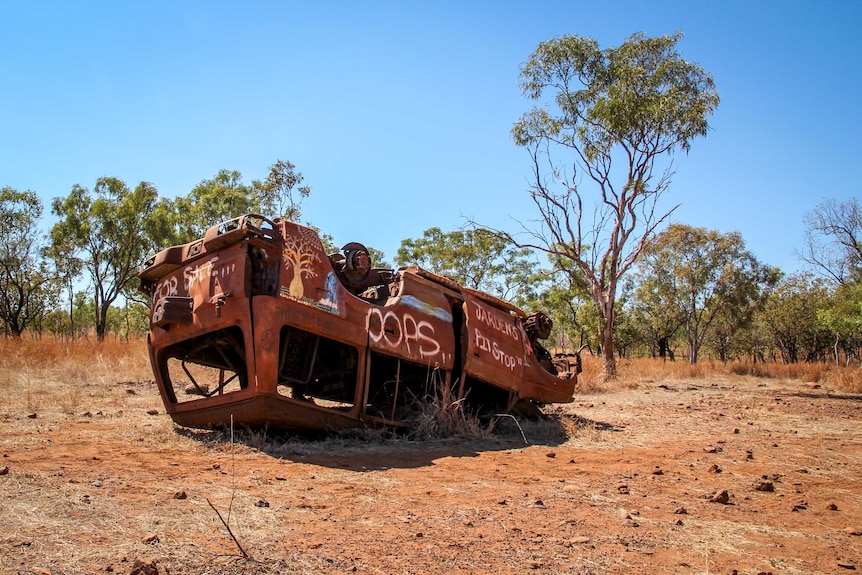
(609, 361)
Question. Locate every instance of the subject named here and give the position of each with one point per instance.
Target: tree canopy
(606, 117)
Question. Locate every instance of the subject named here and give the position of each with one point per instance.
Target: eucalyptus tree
(833, 240)
(27, 287)
(475, 258)
(842, 316)
(210, 202)
(703, 275)
(281, 193)
(791, 315)
(600, 139)
(107, 230)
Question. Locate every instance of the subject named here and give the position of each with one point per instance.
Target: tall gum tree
(108, 231)
(596, 146)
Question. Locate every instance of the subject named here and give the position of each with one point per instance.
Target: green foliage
(211, 202)
(278, 192)
(474, 258)
(107, 230)
(611, 115)
(791, 316)
(692, 277)
(27, 286)
(842, 316)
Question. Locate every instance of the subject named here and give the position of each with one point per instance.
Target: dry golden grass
(635, 372)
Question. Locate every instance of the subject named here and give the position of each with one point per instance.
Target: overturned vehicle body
(255, 324)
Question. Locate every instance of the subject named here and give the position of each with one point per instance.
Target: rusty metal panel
(416, 325)
(495, 344)
(276, 324)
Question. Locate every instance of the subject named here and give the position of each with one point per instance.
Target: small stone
(678, 522)
(852, 531)
(180, 495)
(32, 416)
(151, 540)
(657, 471)
(801, 506)
(765, 486)
(131, 392)
(722, 497)
(550, 454)
(681, 511)
(847, 565)
(580, 540)
(832, 507)
(749, 455)
(623, 489)
(141, 568)
(735, 431)
(535, 564)
(152, 412)
(262, 503)
(4, 470)
(714, 468)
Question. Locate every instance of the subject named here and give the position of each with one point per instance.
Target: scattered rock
(714, 468)
(535, 564)
(657, 471)
(262, 503)
(550, 454)
(712, 449)
(847, 565)
(722, 497)
(180, 495)
(678, 522)
(765, 486)
(131, 392)
(852, 531)
(580, 540)
(749, 455)
(735, 431)
(151, 540)
(141, 568)
(623, 489)
(832, 507)
(192, 390)
(681, 511)
(800, 506)
(32, 416)
(4, 470)
(152, 412)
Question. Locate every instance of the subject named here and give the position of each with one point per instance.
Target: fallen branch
(229, 531)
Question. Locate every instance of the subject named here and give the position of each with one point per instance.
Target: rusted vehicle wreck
(255, 324)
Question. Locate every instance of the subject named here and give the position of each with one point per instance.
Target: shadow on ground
(378, 449)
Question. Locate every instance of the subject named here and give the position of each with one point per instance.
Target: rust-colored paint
(256, 324)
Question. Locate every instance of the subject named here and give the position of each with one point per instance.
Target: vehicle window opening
(397, 388)
(208, 365)
(312, 367)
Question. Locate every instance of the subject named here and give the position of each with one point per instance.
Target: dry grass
(636, 372)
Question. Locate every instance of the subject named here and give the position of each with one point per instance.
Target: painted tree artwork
(301, 253)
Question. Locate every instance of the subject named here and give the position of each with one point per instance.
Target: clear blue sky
(398, 113)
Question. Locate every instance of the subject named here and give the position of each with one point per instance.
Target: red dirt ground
(614, 483)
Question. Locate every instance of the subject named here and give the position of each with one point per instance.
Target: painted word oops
(394, 331)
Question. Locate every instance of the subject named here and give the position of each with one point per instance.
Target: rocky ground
(720, 475)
